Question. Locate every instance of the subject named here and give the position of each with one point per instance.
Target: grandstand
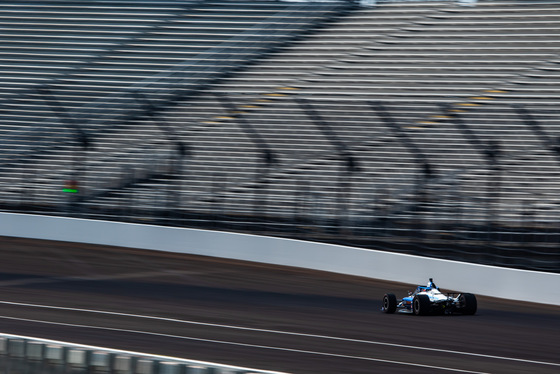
(424, 127)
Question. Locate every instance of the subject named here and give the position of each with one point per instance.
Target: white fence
(532, 286)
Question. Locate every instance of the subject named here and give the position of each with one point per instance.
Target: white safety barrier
(515, 284)
(23, 354)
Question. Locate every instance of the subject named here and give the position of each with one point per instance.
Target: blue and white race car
(429, 300)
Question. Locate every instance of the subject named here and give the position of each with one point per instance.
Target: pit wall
(514, 284)
(22, 354)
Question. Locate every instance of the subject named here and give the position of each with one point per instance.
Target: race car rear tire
(421, 305)
(468, 303)
(389, 303)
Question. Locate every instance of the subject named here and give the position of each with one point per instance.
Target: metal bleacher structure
(423, 127)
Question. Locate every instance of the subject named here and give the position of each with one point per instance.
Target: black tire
(421, 305)
(468, 304)
(389, 303)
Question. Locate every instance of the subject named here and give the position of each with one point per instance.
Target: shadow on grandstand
(421, 128)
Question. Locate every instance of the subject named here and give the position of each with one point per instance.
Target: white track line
(247, 345)
(447, 351)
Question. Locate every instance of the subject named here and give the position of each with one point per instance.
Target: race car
(429, 300)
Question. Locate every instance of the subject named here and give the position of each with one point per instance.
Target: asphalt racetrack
(259, 316)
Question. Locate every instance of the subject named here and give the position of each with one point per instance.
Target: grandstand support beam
(349, 163)
(548, 142)
(268, 157)
(182, 151)
(491, 151)
(81, 137)
(427, 170)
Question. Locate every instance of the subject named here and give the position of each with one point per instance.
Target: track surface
(258, 316)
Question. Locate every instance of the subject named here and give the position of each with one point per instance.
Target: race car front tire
(421, 305)
(389, 303)
(468, 303)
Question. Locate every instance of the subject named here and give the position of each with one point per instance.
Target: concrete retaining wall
(24, 355)
(539, 287)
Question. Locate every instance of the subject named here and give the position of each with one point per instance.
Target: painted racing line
(246, 345)
(268, 331)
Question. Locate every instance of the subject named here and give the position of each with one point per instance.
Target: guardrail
(515, 284)
(23, 355)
